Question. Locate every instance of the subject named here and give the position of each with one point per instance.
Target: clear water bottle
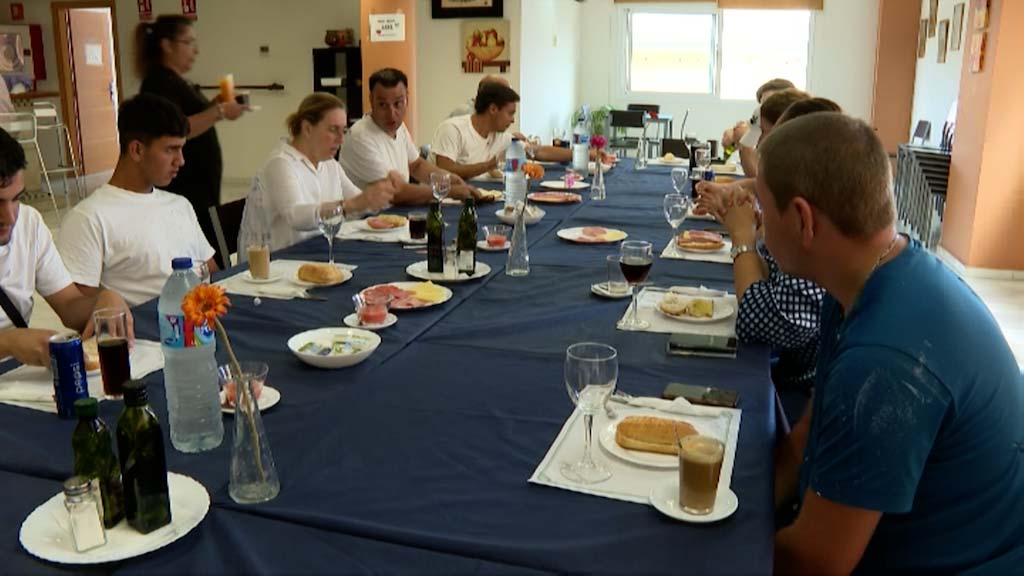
(190, 367)
(580, 148)
(518, 263)
(515, 179)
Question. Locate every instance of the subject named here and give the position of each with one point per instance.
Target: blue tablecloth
(417, 459)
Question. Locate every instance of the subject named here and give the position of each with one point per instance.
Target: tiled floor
(1005, 298)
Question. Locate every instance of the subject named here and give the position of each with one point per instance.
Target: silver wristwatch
(738, 249)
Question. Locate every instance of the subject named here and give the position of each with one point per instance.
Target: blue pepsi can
(68, 363)
(709, 175)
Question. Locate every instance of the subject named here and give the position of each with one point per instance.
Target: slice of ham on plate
(592, 235)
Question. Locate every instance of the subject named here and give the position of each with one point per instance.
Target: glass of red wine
(635, 259)
(112, 344)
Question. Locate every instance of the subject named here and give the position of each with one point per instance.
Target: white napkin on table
(283, 289)
(720, 256)
(32, 386)
(632, 482)
(648, 300)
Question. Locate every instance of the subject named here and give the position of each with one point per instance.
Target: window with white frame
(671, 52)
(727, 53)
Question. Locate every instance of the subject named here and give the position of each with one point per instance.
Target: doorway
(85, 34)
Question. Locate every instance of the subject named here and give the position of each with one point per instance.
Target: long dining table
(417, 459)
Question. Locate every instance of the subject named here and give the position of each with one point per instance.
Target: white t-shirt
(457, 140)
(369, 153)
(30, 263)
(293, 189)
(125, 240)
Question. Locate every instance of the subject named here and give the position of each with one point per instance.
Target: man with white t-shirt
(125, 234)
(29, 262)
(473, 145)
(380, 143)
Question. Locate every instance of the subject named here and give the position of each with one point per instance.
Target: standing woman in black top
(165, 51)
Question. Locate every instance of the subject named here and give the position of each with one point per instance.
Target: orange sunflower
(205, 303)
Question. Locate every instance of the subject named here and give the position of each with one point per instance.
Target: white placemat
(632, 482)
(282, 288)
(648, 300)
(356, 230)
(684, 163)
(32, 386)
(720, 256)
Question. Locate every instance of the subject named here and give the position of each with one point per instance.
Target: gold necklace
(888, 249)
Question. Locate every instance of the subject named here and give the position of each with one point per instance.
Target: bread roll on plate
(320, 273)
(651, 434)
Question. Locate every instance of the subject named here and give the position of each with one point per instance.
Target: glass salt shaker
(84, 514)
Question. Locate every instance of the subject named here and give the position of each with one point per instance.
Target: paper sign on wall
(387, 27)
(189, 9)
(145, 10)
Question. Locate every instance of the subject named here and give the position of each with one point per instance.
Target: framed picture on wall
(956, 35)
(467, 8)
(980, 8)
(943, 41)
(486, 45)
(922, 38)
(933, 17)
(978, 41)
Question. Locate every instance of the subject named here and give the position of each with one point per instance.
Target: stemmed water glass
(680, 177)
(440, 185)
(703, 157)
(676, 207)
(635, 259)
(532, 143)
(329, 219)
(591, 371)
(202, 270)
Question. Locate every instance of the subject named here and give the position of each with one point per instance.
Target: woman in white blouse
(302, 175)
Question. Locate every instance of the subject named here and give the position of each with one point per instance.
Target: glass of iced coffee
(259, 261)
(700, 465)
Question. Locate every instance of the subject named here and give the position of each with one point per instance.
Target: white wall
(440, 80)
(550, 46)
(841, 66)
(936, 86)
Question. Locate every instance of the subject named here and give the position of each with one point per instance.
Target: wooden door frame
(65, 71)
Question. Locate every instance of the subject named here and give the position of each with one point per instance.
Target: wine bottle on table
(467, 237)
(435, 239)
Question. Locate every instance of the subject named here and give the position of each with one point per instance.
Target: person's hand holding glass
(329, 219)
(591, 371)
(635, 259)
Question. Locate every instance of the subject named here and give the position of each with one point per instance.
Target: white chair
(22, 127)
(48, 121)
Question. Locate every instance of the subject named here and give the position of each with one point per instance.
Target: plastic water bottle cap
(181, 264)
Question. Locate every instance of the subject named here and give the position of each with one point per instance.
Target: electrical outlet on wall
(264, 50)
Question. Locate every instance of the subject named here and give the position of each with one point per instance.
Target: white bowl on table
(326, 336)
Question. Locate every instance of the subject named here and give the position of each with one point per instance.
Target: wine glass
(329, 219)
(440, 184)
(676, 207)
(533, 142)
(679, 179)
(635, 259)
(591, 370)
(202, 270)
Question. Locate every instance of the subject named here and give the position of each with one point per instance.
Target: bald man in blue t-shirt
(911, 458)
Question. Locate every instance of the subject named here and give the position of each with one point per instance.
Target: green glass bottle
(140, 444)
(95, 458)
(435, 239)
(467, 237)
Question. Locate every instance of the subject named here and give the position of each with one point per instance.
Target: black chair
(625, 119)
(227, 222)
(677, 147)
(649, 108)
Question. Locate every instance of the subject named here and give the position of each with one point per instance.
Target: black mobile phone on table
(704, 395)
(702, 345)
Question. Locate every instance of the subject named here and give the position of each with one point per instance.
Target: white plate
(486, 177)
(702, 250)
(601, 289)
(560, 185)
(247, 276)
(666, 499)
(576, 235)
(408, 240)
(649, 459)
(346, 275)
(269, 397)
(483, 245)
(352, 321)
(723, 310)
(407, 286)
(326, 335)
(419, 270)
(677, 161)
(44, 538)
(604, 167)
(487, 197)
(510, 218)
